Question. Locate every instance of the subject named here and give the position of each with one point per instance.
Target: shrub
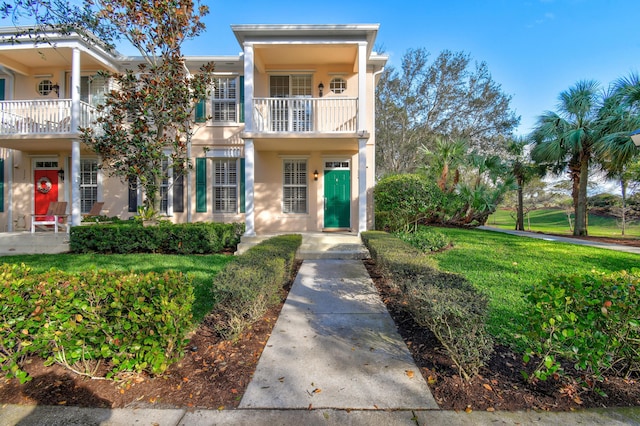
(137, 322)
(445, 303)
(591, 320)
(168, 238)
(252, 283)
(404, 201)
(425, 239)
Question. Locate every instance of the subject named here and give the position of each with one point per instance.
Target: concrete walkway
(333, 358)
(568, 240)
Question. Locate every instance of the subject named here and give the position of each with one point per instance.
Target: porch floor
(318, 245)
(14, 243)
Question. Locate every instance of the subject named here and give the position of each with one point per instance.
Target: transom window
(338, 85)
(225, 185)
(88, 184)
(225, 94)
(294, 192)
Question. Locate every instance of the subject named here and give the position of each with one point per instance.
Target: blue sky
(534, 49)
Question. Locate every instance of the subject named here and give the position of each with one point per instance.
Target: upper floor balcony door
(291, 109)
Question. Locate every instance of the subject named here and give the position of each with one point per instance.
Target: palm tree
(568, 137)
(444, 159)
(523, 171)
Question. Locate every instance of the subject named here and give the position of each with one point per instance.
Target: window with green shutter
(201, 111)
(201, 185)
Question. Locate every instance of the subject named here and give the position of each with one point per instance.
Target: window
(171, 191)
(45, 87)
(294, 191)
(225, 95)
(88, 184)
(338, 85)
(133, 193)
(225, 185)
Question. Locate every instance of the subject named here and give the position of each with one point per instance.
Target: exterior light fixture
(315, 175)
(320, 88)
(56, 88)
(61, 175)
(635, 137)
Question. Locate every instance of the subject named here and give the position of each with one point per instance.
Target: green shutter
(201, 111)
(2, 89)
(1, 184)
(242, 99)
(242, 186)
(201, 185)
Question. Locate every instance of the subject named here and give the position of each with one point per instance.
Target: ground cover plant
(554, 221)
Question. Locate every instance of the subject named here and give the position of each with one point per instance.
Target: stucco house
(289, 146)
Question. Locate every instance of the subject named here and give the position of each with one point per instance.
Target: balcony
(42, 117)
(305, 115)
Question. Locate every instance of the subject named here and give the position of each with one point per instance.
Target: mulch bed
(215, 373)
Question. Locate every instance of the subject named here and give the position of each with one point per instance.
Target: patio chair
(55, 216)
(95, 211)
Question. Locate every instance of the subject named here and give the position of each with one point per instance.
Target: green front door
(337, 195)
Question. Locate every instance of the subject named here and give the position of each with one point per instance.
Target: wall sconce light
(635, 137)
(56, 88)
(315, 175)
(320, 88)
(61, 175)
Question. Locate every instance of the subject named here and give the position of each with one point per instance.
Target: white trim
(224, 153)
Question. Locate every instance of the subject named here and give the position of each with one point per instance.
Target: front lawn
(202, 267)
(503, 266)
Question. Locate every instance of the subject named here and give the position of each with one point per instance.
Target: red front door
(46, 189)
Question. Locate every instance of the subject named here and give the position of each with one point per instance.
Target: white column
(75, 143)
(9, 173)
(249, 182)
(362, 185)
(249, 150)
(362, 87)
(248, 87)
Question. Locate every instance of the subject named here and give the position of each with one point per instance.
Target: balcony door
(291, 110)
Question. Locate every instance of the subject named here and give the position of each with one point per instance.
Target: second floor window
(225, 100)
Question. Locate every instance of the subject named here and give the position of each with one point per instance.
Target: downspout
(373, 163)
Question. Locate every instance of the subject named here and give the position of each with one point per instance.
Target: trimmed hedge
(252, 283)
(445, 303)
(137, 322)
(166, 237)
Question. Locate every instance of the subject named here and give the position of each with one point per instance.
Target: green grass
(502, 266)
(202, 268)
(554, 221)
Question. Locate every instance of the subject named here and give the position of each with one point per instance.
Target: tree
(448, 97)
(523, 171)
(568, 137)
(443, 161)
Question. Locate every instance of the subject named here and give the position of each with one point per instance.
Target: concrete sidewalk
(568, 240)
(335, 346)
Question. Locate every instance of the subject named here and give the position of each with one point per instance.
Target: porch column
(249, 179)
(249, 150)
(362, 87)
(362, 185)
(75, 143)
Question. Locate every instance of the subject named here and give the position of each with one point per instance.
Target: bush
(425, 239)
(404, 201)
(591, 320)
(168, 238)
(137, 322)
(252, 283)
(445, 303)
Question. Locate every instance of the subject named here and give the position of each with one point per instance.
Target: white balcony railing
(42, 117)
(305, 115)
